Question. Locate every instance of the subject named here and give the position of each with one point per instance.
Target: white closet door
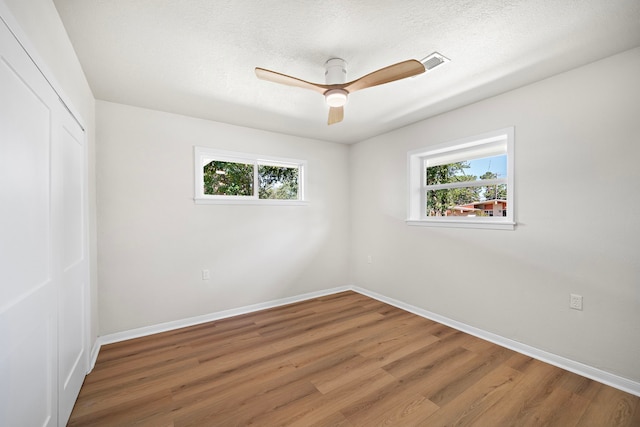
(70, 216)
(43, 246)
(28, 319)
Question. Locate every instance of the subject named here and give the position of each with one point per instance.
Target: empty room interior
(320, 213)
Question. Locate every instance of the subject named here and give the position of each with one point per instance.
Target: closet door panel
(69, 168)
(25, 128)
(28, 368)
(28, 319)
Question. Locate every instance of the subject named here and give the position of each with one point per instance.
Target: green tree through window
(278, 182)
(228, 178)
(493, 192)
(439, 201)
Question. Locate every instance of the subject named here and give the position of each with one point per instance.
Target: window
(464, 183)
(230, 177)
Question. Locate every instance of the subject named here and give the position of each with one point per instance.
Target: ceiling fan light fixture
(336, 97)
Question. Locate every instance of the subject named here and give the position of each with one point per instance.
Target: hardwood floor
(339, 360)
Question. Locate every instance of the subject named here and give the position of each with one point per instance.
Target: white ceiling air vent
(434, 60)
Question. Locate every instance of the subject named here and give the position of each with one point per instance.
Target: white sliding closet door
(68, 185)
(43, 253)
(28, 319)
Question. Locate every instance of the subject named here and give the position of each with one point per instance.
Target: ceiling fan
(336, 91)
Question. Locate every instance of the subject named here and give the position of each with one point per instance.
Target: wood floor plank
(362, 339)
(207, 384)
(248, 409)
(387, 340)
(338, 360)
(380, 407)
(309, 334)
(531, 396)
(120, 394)
(149, 409)
(611, 407)
(335, 420)
(472, 406)
(546, 413)
(440, 357)
(468, 374)
(341, 398)
(222, 400)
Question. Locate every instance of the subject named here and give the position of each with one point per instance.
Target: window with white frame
(232, 177)
(463, 183)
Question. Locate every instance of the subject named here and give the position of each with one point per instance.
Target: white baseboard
(587, 371)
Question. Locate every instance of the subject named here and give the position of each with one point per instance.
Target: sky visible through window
(495, 164)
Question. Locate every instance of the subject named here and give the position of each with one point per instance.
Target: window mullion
(464, 184)
(256, 181)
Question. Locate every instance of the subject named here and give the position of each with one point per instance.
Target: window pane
(468, 201)
(278, 182)
(468, 170)
(228, 179)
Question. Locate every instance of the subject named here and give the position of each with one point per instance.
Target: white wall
(577, 151)
(40, 22)
(154, 240)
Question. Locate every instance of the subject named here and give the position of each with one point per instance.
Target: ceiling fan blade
(284, 79)
(394, 72)
(336, 114)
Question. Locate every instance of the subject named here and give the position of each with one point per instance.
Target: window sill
(270, 202)
(447, 223)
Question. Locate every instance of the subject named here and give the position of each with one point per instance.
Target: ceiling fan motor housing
(335, 71)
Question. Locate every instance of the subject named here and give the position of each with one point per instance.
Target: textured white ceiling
(197, 57)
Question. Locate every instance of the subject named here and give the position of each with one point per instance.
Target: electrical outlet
(576, 302)
(206, 275)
